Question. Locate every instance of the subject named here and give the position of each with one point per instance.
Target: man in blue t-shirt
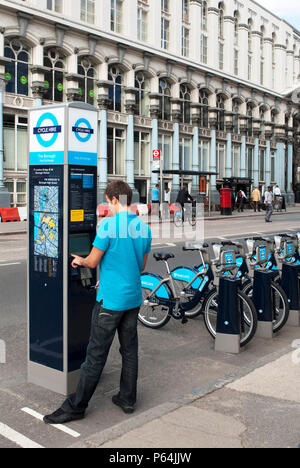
(121, 247)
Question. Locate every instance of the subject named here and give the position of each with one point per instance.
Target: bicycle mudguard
(187, 274)
(151, 281)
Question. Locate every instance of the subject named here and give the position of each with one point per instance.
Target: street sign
(156, 155)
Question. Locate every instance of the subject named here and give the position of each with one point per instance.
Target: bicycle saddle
(163, 257)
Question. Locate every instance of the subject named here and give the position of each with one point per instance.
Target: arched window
(262, 122)
(116, 94)
(142, 84)
(185, 105)
(54, 78)
(16, 72)
(221, 113)
(250, 120)
(236, 113)
(87, 83)
(165, 99)
(203, 100)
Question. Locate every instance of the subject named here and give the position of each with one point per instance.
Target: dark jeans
(256, 206)
(105, 323)
(241, 205)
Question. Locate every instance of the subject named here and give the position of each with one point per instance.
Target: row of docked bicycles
(187, 292)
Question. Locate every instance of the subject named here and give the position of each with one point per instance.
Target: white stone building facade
(210, 83)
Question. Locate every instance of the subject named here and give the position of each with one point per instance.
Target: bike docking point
(291, 286)
(262, 299)
(228, 335)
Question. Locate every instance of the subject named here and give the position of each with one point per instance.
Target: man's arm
(145, 262)
(92, 261)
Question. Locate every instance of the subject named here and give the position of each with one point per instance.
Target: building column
(290, 192)
(154, 114)
(256, 159)
(130, 108)
(4, 194)
(215, 197)
(38, 74)
(213, 43)
(229, 129)
(268, 164)
(268, 63)
(102, 161)
(280, 157)
(176, 114)
(256, 46)
(243, 132)
(243, 49)
(196, 156)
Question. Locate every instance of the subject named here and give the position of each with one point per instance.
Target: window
(116, 151)
(236, 158)
(204, 155)
(221, 56)
(249, 67)
(142, 85)
(141, 153)
(165, 6)
(17, 71)
(165, 145)
(165, 99)
(115, 91)
(235, 110)
(236, 28)
(15, 143)
(236, 62)
(221, 160)
(204, 15)
(221, 22)
(250, 120)
(165, 33)
(221, 113)
(249, 163)
(54, 78)
(185, 44)
(262, 123)
(273, 166)
(142, 24)
(203, 100)
(262, 165)
(116, 15)
(185, 150)
(185, 98)
(185, 11)
(87, 83)
(54, 5)
(203, 46)
(87, 11)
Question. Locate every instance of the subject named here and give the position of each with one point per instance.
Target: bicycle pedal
(184, 321)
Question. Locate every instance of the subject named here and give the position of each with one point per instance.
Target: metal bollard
(290, 285)
(228, 336)
(262, 299)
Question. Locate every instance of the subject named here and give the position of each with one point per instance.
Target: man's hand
(77, 262)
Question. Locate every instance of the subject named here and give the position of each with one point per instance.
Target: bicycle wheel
(280, 302)
(248, 316)
(153, 316)
(178, 220)
(181, 286)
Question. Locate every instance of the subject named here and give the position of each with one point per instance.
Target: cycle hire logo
(83, 130)
(41, 130)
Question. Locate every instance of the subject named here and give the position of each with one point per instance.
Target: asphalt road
(174, 361)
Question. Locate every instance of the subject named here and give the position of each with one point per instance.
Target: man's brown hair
(119, 189)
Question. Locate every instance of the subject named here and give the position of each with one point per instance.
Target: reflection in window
(203, 100)
(142, 85)
(87, 83)
(16, 72)
(165, 99)
(115, 91)
(54, 78)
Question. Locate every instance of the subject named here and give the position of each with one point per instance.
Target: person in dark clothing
(184, 197)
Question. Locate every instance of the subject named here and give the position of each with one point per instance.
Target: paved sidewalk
(260, 408)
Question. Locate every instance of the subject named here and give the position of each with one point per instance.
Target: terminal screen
(289, 248)
(79, 244)
(263, 253)
(229, 260)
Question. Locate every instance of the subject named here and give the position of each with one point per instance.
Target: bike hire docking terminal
(62, 221)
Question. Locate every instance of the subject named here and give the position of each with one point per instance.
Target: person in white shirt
(167, 195)
(269, 204)
(240, 199)
(277, 191)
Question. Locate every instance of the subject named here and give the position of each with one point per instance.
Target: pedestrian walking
(167, 201)
(122, 259)
(269, 204)
(155, 201)
(256, 198)
(240, 200)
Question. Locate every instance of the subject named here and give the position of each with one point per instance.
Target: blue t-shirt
(155, 194)
(125, 239)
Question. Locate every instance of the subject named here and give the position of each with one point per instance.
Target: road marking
(17, 438)
(60, 427)
(9, 264)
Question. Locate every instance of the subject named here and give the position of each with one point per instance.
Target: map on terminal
(46, 233)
